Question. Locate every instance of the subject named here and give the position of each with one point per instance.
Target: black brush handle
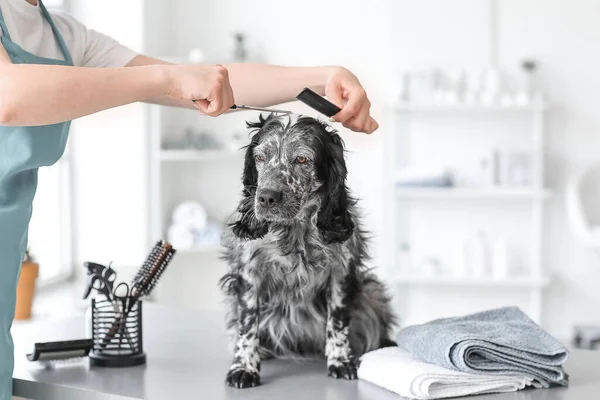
(61, 350)
(318, 103)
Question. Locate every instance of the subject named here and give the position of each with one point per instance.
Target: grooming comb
(318, 103)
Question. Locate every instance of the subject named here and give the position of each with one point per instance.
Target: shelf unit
(534, 107)
(508, 282)
(474, 194)
(536, 195)
(195, 155)
(199, 250)
(210, 177)
(184, 175)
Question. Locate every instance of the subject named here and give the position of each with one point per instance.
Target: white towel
(190, 214)
(396, 370)
(210, 236)
(181, 237)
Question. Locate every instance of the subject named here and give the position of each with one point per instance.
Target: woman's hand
(208, 85)
(345, 91)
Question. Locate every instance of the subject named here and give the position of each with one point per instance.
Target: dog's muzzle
(269, 198)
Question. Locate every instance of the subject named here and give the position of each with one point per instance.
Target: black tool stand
(117, 334)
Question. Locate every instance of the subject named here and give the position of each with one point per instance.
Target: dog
(297, 285)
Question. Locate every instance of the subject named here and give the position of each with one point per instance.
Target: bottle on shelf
(500, 267)
(477, 255)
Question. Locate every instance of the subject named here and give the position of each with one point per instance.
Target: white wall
(306, 33)
(561, 36)
(109, 151)
(378, 38)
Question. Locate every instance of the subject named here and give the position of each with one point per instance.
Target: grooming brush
(144, 282)
(64, 350)
(147, 277)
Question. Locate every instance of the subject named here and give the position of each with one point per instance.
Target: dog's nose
(269, 197)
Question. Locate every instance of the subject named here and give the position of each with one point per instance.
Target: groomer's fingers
(363, 115)
(335, 94)
(353, 124)
(202, 105)
(363, 122)
(219, 99)
(371, 126)
(356, 99)
(226, 94)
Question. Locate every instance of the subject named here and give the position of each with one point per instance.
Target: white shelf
(196, 155)
(510, 282)
(469, 107)
(398, 197)
(201, 250)
(472, 193)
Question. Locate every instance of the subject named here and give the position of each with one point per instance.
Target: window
(50, 227)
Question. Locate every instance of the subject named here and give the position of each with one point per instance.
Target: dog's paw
(343, 369)
(242, 378)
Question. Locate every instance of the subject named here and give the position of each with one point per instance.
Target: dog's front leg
(340, 360)
(244, 370)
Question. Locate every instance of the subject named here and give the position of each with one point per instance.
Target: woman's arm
(259, 85)
(265, 85)
(47, 94)
(253, 84)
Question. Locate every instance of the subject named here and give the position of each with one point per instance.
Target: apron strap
(5, 32)
(59, 38)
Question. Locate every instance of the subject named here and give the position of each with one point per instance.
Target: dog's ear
(334, 220)
(248, 226)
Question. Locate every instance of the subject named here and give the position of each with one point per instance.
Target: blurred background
(479, 188)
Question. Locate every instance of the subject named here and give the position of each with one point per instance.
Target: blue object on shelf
(427, 183)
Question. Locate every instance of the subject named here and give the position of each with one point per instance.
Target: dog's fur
(297, 284)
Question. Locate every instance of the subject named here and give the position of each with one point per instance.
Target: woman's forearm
(46, 94)
(265, 85)
(256, 84)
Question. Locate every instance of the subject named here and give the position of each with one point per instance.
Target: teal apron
(22, 151)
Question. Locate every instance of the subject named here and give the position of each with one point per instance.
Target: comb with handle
(318, 103)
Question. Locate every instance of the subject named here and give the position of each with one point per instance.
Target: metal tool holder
(117, 333)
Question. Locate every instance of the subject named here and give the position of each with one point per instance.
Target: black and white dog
(297, 284)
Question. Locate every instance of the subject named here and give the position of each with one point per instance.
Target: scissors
(122, 287)
(273, 110)
(307, 96)
(243, 107)
(122, 294)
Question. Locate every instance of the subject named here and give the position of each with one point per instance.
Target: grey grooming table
(188, 358)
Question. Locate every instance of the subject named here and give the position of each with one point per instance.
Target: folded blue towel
(503, 341)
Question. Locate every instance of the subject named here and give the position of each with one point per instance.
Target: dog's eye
(301, 159)
(259, 158)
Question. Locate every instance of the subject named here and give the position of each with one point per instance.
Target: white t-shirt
(29, 29)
